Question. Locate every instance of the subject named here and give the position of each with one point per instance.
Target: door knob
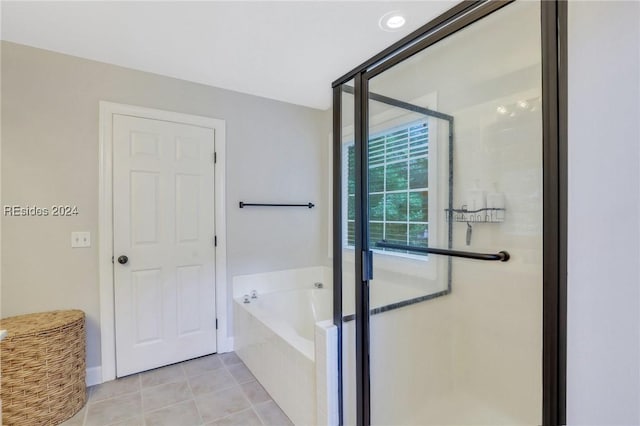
(123, 259)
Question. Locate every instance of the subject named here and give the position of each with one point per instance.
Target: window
(398, 186)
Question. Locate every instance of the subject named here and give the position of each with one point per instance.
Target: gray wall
(604, 252)
(275, 152)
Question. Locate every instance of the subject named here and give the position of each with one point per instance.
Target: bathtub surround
(50, 156)
(326, 348)
(287, 340)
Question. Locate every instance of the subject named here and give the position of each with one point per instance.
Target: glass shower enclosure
(447, 239)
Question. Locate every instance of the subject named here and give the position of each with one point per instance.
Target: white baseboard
(94, 376)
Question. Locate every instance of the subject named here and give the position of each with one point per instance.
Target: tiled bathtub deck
(213, 390)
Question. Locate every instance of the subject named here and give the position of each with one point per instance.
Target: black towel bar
(243, 205)
(502, 256)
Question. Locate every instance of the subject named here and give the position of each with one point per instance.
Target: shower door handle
(501, 256)
(367, 265)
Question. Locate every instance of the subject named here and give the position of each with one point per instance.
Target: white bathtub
(292, 314)
(278, 336)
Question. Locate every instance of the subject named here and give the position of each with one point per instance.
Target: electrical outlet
(80, 239)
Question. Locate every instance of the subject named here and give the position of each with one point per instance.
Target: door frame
(107, 110)
(553, 18)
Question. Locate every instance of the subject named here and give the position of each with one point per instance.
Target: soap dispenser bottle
(476, 202)
(495, 200)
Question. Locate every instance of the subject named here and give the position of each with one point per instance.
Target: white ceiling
(289, 51)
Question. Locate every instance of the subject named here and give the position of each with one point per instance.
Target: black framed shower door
(362, 113)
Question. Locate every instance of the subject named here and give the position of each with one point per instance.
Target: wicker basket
(43, 368)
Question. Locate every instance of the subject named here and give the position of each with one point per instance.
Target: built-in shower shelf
(487, 215)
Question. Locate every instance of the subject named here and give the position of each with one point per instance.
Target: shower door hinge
(367, 265)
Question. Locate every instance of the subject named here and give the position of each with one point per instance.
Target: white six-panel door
(163, 222)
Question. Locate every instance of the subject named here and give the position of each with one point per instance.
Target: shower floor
(464, 409)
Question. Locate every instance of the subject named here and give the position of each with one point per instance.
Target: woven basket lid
(30, 324)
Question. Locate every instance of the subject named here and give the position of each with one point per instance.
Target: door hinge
(112, 259)
(367, 265)
(215, 157)
(216, 323)
(215, 241)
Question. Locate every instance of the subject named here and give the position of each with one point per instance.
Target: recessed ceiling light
(395, 21)
(392, 21)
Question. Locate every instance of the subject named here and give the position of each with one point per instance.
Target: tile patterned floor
(213, 390)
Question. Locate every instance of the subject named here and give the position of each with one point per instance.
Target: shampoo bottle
(476, 200)
(495, 200)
